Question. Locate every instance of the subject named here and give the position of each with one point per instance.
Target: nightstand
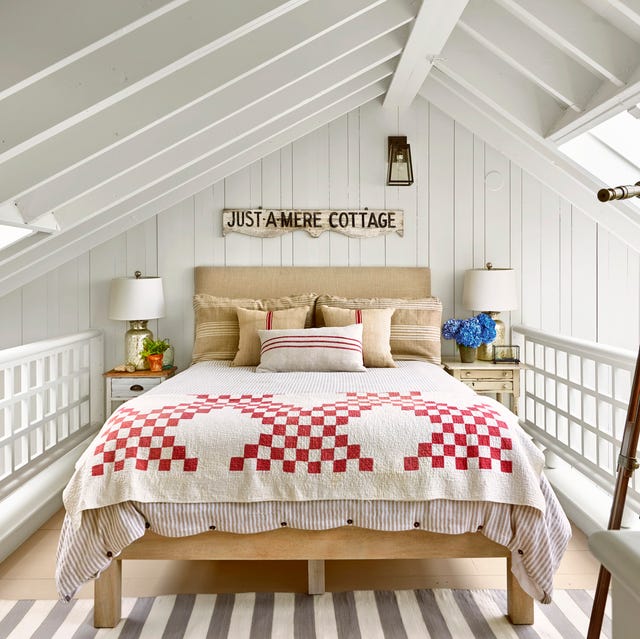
(122, 385)
(487, 377)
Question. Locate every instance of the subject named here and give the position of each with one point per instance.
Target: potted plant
(153, 351)
(469, 334)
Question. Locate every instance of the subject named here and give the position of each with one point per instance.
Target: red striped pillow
(415, 325)
(249, 321)
(334, 348)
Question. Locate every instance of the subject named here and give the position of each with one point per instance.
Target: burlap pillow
(250, 321)
(216, 321)
(415, 325)
(376, 331)
(335, 348)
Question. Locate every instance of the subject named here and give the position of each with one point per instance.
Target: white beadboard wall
(469, 204)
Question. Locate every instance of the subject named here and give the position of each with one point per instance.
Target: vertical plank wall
(469, 204)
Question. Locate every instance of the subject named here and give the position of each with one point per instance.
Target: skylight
(11, 234)
(14, 228)
(610, 150)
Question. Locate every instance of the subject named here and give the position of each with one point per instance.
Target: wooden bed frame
(287, 543)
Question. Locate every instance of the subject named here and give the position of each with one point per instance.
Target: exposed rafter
(433, 25)
(210, 123)
(173, 93)
(512, 40)
(578, 30)
(630, 9)
(607, 101)
(27, 22)
(116, 70)
(37, 259)
(491, 79)
(197, 154)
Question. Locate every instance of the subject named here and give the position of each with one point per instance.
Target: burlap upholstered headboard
(415, 325)
(346, 281)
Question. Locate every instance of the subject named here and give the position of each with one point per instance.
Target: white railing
(574, 398)
(51, 397)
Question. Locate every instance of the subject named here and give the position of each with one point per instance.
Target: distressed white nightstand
(487, 378)
(122, 386)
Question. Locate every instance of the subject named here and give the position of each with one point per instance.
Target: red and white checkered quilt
(409, 446)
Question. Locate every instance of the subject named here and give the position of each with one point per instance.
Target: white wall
(575, 278)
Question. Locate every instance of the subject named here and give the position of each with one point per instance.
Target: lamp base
(485, 351)
(133, 340)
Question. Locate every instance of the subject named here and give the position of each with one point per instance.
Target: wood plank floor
(29, 572)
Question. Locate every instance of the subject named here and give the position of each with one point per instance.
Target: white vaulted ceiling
(112, 111)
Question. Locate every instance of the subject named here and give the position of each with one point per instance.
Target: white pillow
(332, 348)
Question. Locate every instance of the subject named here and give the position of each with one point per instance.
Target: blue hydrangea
(472, 331)
(450, 328)
(488, 327)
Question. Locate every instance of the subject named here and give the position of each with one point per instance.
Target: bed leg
(519, 603)
(107, 597)
(315, 573)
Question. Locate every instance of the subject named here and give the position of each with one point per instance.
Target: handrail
(574, 399)
(51, 398)
(600, 351)
(25, 351)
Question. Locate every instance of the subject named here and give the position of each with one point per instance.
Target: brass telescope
(627, 461)
(619, 192)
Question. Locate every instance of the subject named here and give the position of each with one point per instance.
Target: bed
(342, 504)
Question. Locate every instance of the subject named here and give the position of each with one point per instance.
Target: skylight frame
(610, 150)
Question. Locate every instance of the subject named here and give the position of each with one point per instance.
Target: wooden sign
(272, 222)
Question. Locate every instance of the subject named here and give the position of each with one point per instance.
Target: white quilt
(411, 434)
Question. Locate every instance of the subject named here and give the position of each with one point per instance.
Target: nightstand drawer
(486, 374)
(132, 386)
(490, 386)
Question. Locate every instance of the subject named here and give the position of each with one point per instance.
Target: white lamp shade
(490, 289)
(136, 298)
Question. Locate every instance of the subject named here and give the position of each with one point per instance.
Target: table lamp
(137, 300)
(490, 290)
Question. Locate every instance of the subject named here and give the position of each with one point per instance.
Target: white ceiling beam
(113, 72)
(195, 82)
(41, 258)
(574, 27)
(196, 155)
(606, 102)
(630, 9)
(434, 23)
(498, 84)
(538, 157)
(197, 151)
(368, 37)
(529, 53)
(33, 31)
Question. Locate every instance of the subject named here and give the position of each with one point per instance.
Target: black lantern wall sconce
(400, 169)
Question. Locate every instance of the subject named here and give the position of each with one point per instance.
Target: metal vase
(467, 354)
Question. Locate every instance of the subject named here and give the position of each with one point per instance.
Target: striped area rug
(400, 614)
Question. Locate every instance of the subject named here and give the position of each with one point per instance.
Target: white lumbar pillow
(332, 348)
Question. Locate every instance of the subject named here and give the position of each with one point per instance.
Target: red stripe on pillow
(268, 320)
(358, 316)
(320, 339)
(307, 346)
(312, 341)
